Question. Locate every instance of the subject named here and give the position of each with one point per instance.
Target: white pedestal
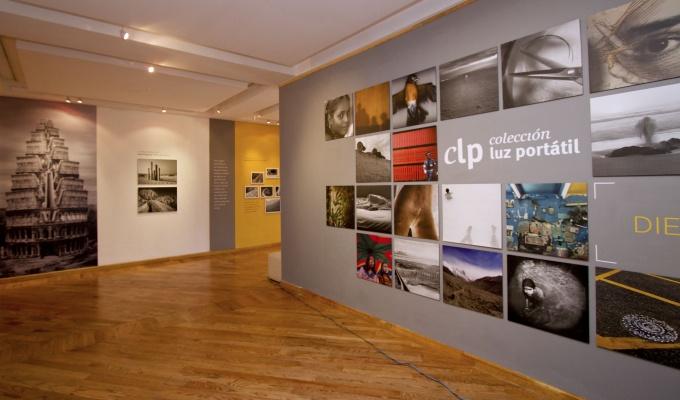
(274, 266)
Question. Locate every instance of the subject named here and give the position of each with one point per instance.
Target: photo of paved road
(639, 315)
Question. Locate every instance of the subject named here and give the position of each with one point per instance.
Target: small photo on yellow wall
(257, 178)
(252, 192)
(272, 205)
(266, 191)
(272, 173)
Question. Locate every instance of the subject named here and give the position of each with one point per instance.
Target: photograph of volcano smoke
(634, 43)
(469, 85)
(549, 295)
(372, 113)
(542, 67)
(637, 314)
(636, 133)
(414, 99)
(473, 279)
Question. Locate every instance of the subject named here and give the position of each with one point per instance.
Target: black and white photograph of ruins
(156, 172)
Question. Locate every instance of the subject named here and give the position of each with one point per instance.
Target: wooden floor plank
(213, 327)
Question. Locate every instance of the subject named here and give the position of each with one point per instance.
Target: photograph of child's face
(339, 118)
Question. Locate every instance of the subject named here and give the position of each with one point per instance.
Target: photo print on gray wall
(373, 158)
(156, 199)
(472, 214)
(374, 208)
(48, 186)
(372, 109)
(637, 132)
(339, 117)
(549, 295)
(634, 43)
(473, 279)
(637, 314)
(542, 67)
(548, 218)
(340, 206)
(417, 268)
(156, 172)
(469, 85)
(416, 211)
(374, 259)
(414, 99)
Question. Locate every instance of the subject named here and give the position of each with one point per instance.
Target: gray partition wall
(322, 259)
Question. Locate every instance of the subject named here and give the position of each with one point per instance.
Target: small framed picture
(266, 191)
(272, 173)
(252, 192)
(277, 191)
(257, 178)
(272, 205)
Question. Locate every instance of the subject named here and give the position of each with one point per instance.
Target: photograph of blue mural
(473, 279)
(549, 295)
(637, 314)
(548, 218)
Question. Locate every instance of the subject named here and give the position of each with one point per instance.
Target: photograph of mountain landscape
(373, 158)
(417, 267)
(473, 279)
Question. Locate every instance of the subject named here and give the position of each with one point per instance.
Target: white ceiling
(227, 55)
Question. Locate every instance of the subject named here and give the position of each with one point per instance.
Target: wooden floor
(216, 328)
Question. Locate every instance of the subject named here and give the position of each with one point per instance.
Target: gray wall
(322, 259)
(222, 183)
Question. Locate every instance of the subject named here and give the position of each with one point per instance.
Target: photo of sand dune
(473, 279)
(374, 208)
(417, 267)
(150, 200)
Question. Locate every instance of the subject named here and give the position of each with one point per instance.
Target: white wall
(125, 235)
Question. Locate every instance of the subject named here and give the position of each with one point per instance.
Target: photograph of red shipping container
(414, 155)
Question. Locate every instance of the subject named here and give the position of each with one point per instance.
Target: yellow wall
(257, 148)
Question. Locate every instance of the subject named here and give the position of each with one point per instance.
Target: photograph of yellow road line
(639, 315)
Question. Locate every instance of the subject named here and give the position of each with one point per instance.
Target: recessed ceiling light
(79, 101)
(151, 69)
(164, 110)
(219, 111)
(125, 35)
(269, 122)
(68, 99)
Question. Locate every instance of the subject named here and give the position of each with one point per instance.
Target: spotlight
(151, 69)
(269, 122)
(219, 111)
(125, 35)
(164, 110)
(68, 100)
(79, 101)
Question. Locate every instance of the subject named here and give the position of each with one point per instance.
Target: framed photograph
(266, 191)
(340, 206)
(374, 259)
(252, 192)
(373, 158)
(257, 178)
(272, 205)
(472, 214)
(414, 99)
(423, 223)
(339, 117)
(277, 191)
(372, 109)
(414, 155)
(153, 199)
(272, 173)
(374, 208)
(417, 268)
(156, 172)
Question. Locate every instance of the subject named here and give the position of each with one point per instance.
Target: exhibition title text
(540, 144)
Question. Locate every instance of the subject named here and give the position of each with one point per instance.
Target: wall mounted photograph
(340, 206)
(416, 211)
(339, 117)
(637, 314)
(634, 43)
(542, 67)
(414, 155)
(636, 133)
(417, 267)
(48, 186)
(156, 172)
(472, 214)
(156, 199)
(473, 279)
(266, 191)
(374, 259)
(272, 205)
(414, 99)
(374, 208)
(252, 192)
(469, 85)
(549, 295)
(372, 109)
(271, 173)
(277, 191)
(257, 178)
(550, 219)
(373, 158)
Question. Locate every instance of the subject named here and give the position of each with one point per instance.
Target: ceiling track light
(164, 110)
(125, 35)
(68, 100)
(151, 69)
(219, 111)
(79, 101)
